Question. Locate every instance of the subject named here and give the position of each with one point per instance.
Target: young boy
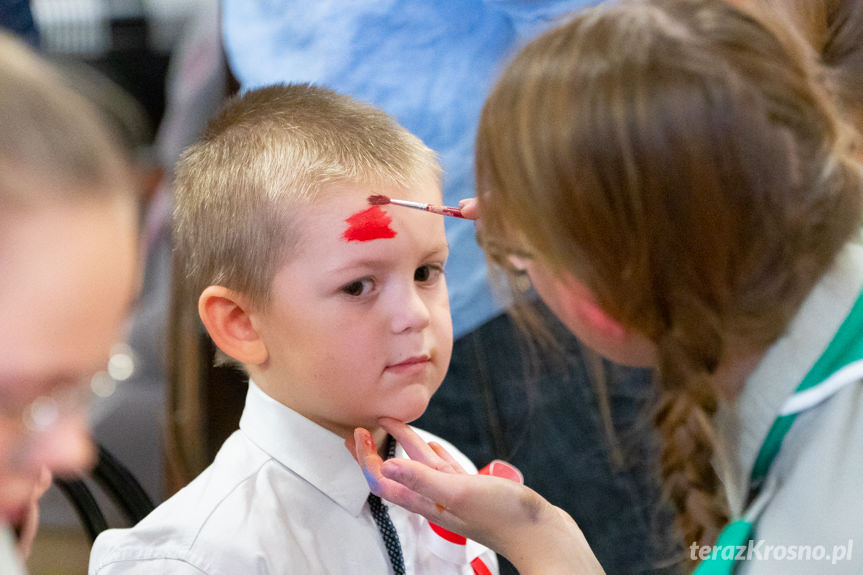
(337, 310)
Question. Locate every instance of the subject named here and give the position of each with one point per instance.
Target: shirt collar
(314, 453)
(743, 424)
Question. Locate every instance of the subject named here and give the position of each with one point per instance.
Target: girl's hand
(469, 208)
(510, 518)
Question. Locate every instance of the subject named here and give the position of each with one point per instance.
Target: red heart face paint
(370, 224)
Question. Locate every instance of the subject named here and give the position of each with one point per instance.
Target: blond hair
(47, 128)
(269, 152)
(681, 160)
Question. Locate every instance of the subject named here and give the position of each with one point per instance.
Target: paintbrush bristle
(378, 200)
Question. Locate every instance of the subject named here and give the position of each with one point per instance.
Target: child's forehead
(342, 213)
(421, 188)
(340, 201)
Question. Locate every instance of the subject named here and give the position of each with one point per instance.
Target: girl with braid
(678, 184)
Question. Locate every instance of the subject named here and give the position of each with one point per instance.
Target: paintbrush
(382, 200)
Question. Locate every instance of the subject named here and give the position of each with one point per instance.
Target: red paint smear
(446, 533)
(479, 567)
(370, 224)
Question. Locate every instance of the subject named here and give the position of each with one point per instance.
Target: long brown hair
(834, 31)
(682, 161)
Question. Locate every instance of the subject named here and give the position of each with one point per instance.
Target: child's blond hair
(270, 152)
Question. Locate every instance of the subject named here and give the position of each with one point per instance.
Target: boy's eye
(358, 287)
(427, 273)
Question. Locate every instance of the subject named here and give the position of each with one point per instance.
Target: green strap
(845, 348)
(721, 560)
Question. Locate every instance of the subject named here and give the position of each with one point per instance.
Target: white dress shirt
(283, 495)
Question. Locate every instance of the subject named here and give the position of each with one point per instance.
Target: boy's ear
(226, 315)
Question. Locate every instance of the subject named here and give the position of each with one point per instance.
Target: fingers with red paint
(512, 519)
(504, 515)
(365, 452)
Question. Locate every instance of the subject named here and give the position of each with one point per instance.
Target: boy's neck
(379, 434)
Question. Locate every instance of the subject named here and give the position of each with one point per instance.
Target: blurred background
(154, 68)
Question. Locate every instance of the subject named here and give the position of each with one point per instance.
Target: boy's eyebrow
(440, 249)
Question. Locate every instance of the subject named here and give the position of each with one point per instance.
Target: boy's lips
(415, 361)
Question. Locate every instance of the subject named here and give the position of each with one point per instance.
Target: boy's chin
(408, 413)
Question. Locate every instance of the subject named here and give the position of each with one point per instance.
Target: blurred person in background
(68, 251)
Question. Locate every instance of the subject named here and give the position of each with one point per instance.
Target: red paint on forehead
(370, 224)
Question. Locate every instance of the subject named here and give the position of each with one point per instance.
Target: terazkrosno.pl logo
(759, 549)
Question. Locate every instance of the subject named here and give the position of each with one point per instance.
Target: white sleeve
(156, 566)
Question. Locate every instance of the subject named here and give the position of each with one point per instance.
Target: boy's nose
(411, 312)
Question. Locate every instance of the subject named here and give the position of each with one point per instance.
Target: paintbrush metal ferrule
(409, 204)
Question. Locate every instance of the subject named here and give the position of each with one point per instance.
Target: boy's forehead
(341, 216)
(344, 208)
(348, 223)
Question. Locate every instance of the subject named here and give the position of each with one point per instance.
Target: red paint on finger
(364, 439)
(370, 224)
(368, 458)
